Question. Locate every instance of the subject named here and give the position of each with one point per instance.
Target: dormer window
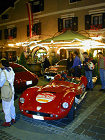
(71, 1)
(37, 5)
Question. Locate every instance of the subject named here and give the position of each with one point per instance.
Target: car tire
(71, 113)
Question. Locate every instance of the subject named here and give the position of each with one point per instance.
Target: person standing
(8, 107)
(46, 63)
(76, 65)
(69, 64)
(101, 64)
(88, 72)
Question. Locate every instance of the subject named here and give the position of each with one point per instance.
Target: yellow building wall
(53, 9)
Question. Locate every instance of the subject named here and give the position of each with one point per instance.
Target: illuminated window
(36, 30)
(10, 33)
(68, 23)
(97, 19)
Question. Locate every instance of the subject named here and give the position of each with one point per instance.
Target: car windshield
(73, 80)
(19, 69)
(62, 62)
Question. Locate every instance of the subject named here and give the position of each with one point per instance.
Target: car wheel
(71, 113)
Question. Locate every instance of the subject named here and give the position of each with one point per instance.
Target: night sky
(5, 4)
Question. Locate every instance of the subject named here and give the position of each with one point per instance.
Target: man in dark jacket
(46, 63)
(76, 65)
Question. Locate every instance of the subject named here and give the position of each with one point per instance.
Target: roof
(5, 4)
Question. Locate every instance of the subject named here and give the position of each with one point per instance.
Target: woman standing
(8, 107)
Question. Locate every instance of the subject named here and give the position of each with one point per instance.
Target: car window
(62, 62)
(19, 69)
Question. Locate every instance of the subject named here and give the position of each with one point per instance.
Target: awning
(66, 36)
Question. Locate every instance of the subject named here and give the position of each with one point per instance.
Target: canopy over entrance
(66, 36)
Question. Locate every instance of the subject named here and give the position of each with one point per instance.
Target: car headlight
(22, 100)
(65, 105)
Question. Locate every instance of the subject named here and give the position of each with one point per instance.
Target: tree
(22, 60)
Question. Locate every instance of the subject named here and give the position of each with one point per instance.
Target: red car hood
(24, 75)
(48, 100)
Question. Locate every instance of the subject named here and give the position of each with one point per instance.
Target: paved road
(89, 122)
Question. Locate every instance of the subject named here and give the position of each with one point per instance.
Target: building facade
(21, 29)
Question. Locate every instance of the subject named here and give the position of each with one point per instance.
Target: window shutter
(11, 32)
(87, 22)
(60, 25)
(103, 20)
(75, 23)
(0, 34)
(14, 32)
(41, 5)
(38, 28)
(34, 29)
(6, 33)
(28, 32)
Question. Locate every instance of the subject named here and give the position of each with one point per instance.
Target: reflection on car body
(23, 77)
(56, 69)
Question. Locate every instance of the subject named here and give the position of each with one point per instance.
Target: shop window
(95, 22)
(69, 23)
(71, 1)
(10, 33)
(36, 30)
(0, 34)
(37, 5)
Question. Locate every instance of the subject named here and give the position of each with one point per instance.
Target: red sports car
(55, 100)
(23, 77)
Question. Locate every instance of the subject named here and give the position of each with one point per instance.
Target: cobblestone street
(89, 122)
